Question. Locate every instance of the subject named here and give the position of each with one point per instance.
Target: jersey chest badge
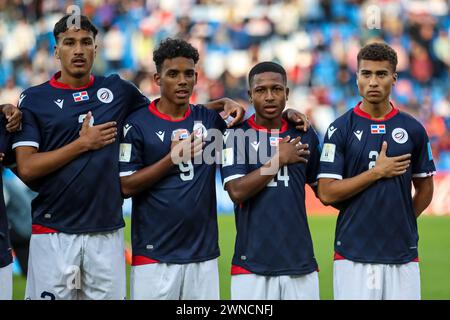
(400, 135)
(182, 134)
(105, 95)
(80, 96)
(377, 128)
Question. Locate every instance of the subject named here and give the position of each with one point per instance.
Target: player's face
(177, 80)
(269, 94)
(76, 50)
(375, 80)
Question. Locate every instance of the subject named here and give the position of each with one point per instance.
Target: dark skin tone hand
(13, 117)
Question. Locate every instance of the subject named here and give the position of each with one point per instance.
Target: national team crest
(105, 95)
(200, 130)
(377, 128)
(80, 96)
(400, 135)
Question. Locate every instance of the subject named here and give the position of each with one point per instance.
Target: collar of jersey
(155, 111)
(59, 85)
(363, 114)
(251, 122)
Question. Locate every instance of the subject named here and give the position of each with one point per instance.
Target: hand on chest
(365, 140)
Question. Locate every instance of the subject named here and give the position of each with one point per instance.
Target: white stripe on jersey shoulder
(233, 177)
(25, 144)
(126, 173)
(424, 174)
(330, 175)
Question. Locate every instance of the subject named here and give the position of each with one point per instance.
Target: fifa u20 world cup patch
(125, 152)
(227, 157)
(328, 152)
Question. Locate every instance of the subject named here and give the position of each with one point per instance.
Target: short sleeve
(233, 164)
(332, 155)
(422, 156)
(30, 135)
(131, 150)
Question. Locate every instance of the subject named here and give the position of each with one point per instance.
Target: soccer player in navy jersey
(273, 256)
(11, 116)
(371, 157)
(67, 152)
(174, 215)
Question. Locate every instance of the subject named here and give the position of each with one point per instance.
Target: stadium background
(315, 40)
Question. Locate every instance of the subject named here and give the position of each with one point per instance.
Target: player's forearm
(34, 165)
(244, 188)
(333, 191)
(217, 105)
(146, 177)
(423, 194)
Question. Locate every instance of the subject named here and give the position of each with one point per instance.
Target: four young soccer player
(87, 141)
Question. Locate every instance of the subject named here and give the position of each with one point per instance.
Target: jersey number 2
(373, 155)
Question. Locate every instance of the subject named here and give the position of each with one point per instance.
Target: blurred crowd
(315, 40)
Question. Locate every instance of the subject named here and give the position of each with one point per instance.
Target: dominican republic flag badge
(80, 96)
(377, 128)
(274, 141)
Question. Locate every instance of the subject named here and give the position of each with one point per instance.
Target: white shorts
(365, 281)
(258, 287)
(163, 281)
(77, 266)
(6, 282)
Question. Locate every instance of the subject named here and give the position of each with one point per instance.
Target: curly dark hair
(378, 52)
(63, 24)
(174, 48)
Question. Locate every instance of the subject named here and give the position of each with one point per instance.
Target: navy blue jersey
(273, 236)
(378, 225)
(84, 195)
(174, 221)
(5, 247)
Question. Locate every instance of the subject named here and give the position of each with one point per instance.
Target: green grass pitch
(434, 246)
